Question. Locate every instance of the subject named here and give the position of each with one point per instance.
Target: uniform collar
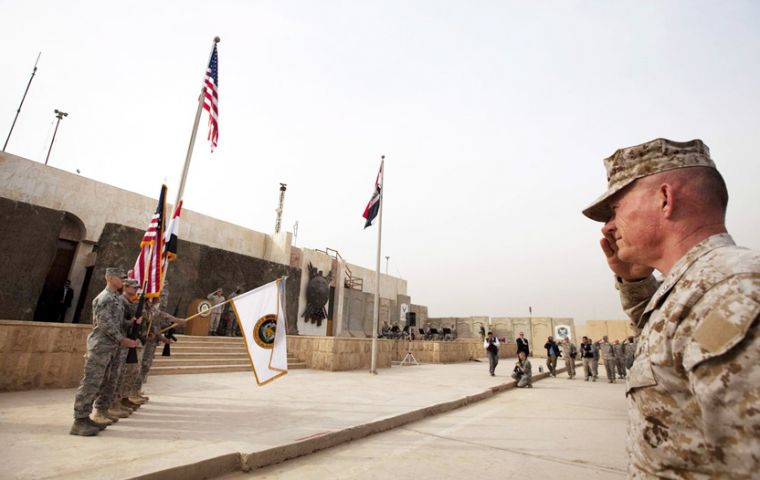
(681, 266)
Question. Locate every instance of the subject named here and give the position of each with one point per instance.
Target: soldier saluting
(102, 344)
(693, 390)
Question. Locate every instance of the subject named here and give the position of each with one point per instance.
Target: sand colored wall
(614, 329)
(338, 353)
(41, 355)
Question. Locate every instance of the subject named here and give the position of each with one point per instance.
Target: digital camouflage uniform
(102, 344)
(608, 355)
(111, 388)
(158, 320)
(619, 359)
(629, 352)
(523, 373)
(694, 388)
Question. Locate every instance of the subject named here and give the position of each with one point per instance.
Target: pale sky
(494, 118)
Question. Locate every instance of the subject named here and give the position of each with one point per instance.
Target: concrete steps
(207, 355)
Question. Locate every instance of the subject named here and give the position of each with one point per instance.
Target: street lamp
(59, 115)
(387, 259)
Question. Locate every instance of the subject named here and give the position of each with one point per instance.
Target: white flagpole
(189, 156)
(376, 317)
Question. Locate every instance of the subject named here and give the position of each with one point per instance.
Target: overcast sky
(494, 118)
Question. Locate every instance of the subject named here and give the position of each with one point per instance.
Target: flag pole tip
(217, 39)
(382, 157)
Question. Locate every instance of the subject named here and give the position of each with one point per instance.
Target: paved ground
(192, 418)
(559, 429)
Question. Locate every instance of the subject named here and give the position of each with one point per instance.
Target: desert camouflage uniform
(102, 344)
(567, 349)
(694, 388)
(608, 355)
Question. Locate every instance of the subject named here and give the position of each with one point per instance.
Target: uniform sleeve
(720, 356)
(110, 316)
(634, 296)
(163, 319)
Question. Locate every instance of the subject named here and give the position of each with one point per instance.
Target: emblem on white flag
(261, 315)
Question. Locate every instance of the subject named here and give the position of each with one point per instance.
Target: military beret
(115, 272)
(629, 164)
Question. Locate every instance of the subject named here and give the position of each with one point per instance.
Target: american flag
(211, 100)
(148, 269)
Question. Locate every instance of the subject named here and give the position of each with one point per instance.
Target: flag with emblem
(261, 317)
(148, 270)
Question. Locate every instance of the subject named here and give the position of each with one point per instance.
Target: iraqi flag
(171, 235)
(261, 317)
(373, 207)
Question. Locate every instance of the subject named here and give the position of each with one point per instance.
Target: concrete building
(58, 226)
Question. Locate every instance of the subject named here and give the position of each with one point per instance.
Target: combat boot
(117, 410)
(83, 427)
(99, 426)
(101, 418)
(129, 405)
(136, 400)
(109, 415)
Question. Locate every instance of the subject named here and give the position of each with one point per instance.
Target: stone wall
(28, 238)
(339, 353)
(41, 355)
(198, 271)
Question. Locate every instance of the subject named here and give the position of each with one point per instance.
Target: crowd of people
(617, 357)
(111, 388)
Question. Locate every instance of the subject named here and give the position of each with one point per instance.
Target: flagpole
(22, 101)
(191, 146)
(376, 317)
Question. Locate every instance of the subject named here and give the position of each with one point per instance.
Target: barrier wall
(41, 355)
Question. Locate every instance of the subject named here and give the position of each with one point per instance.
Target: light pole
(277, 222)
(387, 259)
(59, 115)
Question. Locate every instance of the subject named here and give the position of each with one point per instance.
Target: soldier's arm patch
(724, 326)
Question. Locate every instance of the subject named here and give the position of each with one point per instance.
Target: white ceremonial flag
(261, 316)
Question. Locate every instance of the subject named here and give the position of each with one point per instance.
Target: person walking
(491, 344)
(693, 391)
(569, 353)
(587, 356)
(552, 352)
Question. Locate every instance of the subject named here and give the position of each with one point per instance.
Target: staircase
(207, 355)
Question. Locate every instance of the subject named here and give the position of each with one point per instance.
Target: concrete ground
(198, 426)
(559, 429)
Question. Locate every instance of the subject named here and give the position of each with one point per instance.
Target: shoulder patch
(724, 327)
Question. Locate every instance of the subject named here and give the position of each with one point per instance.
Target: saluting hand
(627, 271)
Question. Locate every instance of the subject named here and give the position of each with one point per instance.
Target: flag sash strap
(269, 371)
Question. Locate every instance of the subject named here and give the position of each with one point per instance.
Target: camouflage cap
(131, 282)
(115, 272)
(632, 163)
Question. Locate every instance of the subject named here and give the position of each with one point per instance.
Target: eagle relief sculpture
(317, 294)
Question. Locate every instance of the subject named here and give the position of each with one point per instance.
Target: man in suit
(63, 301)
(523, 345)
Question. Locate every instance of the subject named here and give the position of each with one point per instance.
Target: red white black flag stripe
(373, 207)
(171, 235)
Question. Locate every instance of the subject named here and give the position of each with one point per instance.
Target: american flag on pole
(148, 270)
(373, 207)
(211, 100)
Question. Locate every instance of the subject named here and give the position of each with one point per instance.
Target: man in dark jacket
(552, 352)
(523, 345)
